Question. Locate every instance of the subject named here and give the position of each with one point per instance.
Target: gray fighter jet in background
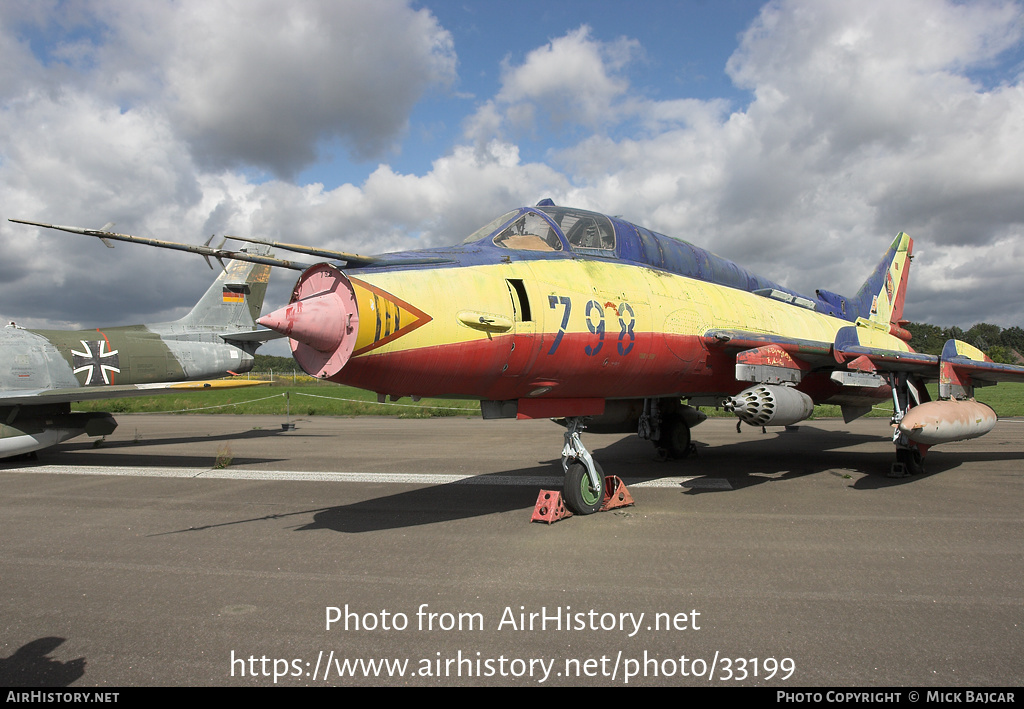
(42, 371)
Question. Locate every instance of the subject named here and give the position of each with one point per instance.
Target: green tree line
(269, 363)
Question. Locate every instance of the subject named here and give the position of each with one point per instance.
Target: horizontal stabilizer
(958, 350)
(965, 367)
(958, 370)
(252, 336)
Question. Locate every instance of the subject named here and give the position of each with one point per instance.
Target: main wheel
(580, 496)
(675, 437)
(912, 460)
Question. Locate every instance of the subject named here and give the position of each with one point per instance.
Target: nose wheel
(579, 493)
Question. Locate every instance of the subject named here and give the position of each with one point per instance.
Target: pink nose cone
(321, 322)
(316, 322)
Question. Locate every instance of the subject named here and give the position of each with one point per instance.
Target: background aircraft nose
(321, 322)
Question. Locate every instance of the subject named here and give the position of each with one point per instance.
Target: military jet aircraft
(42, 371)
(555, 312)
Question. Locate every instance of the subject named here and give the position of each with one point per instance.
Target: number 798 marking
(596, 324)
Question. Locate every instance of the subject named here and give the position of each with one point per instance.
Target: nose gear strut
(584, 479)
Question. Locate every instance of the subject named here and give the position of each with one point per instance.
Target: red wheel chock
(550, 507)
(615, 494)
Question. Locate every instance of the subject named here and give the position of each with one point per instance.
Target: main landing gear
(905, 395)
(909, 461)
(674, 438)
(667, 423)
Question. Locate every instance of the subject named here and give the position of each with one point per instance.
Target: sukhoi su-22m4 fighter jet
(556, 312)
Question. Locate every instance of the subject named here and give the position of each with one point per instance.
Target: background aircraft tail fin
(234, 301)
(879, 302)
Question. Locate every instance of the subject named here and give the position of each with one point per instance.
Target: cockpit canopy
(551, 229)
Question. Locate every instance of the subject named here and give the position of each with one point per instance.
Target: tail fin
(879, 302)
(234, 301)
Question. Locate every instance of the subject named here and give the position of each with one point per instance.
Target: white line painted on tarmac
(402, 478)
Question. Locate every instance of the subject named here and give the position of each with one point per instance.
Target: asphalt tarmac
(223, 550)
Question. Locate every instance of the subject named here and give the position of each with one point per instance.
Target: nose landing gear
(584, 479)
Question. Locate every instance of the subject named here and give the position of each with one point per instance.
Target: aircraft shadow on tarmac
(177, 440)
(791, 455)
(29, 666)
(753, 459)
(72, 453)
(429, 505)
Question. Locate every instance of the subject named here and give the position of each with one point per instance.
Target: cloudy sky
(796, 137)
